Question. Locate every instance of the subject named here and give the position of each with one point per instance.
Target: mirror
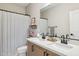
(64, 16)
(74, 23)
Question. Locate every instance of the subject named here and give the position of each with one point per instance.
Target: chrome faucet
(64, 40)
(43, 35)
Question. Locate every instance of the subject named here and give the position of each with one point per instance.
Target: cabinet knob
(47, 54)
(32, 48)
(44, 53)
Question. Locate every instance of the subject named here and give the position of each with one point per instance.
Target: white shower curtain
(1, 33)
(13, 31)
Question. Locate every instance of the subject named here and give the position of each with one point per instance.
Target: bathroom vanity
(38, 47)
(36, 50)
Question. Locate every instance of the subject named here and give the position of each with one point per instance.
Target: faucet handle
(67, 36)
(63, 36)
(72, 34)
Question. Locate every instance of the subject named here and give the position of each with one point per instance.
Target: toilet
(21, 51)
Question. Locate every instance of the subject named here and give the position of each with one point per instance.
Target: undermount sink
(62, 46)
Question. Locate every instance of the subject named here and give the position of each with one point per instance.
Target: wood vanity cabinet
(30, 49)
(49, 53)
(35, 50)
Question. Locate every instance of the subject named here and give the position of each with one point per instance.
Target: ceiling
(26, 4)
(47, 6)
(22, 4)
(43, 6)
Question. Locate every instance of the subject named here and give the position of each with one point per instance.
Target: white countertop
(47, 45)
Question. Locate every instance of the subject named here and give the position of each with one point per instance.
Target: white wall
(59, 16)
(12, 7)
(33, 9)
(43, 26)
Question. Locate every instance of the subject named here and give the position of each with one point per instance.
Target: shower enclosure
(13, 32)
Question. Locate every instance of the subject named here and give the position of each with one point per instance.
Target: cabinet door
(34, 50)
(30, 48)
(38, 51)
(49, 53)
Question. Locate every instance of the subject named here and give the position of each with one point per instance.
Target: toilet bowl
(21, 51)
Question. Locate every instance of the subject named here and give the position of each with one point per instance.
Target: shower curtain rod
(14, 12)
(43, 18)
